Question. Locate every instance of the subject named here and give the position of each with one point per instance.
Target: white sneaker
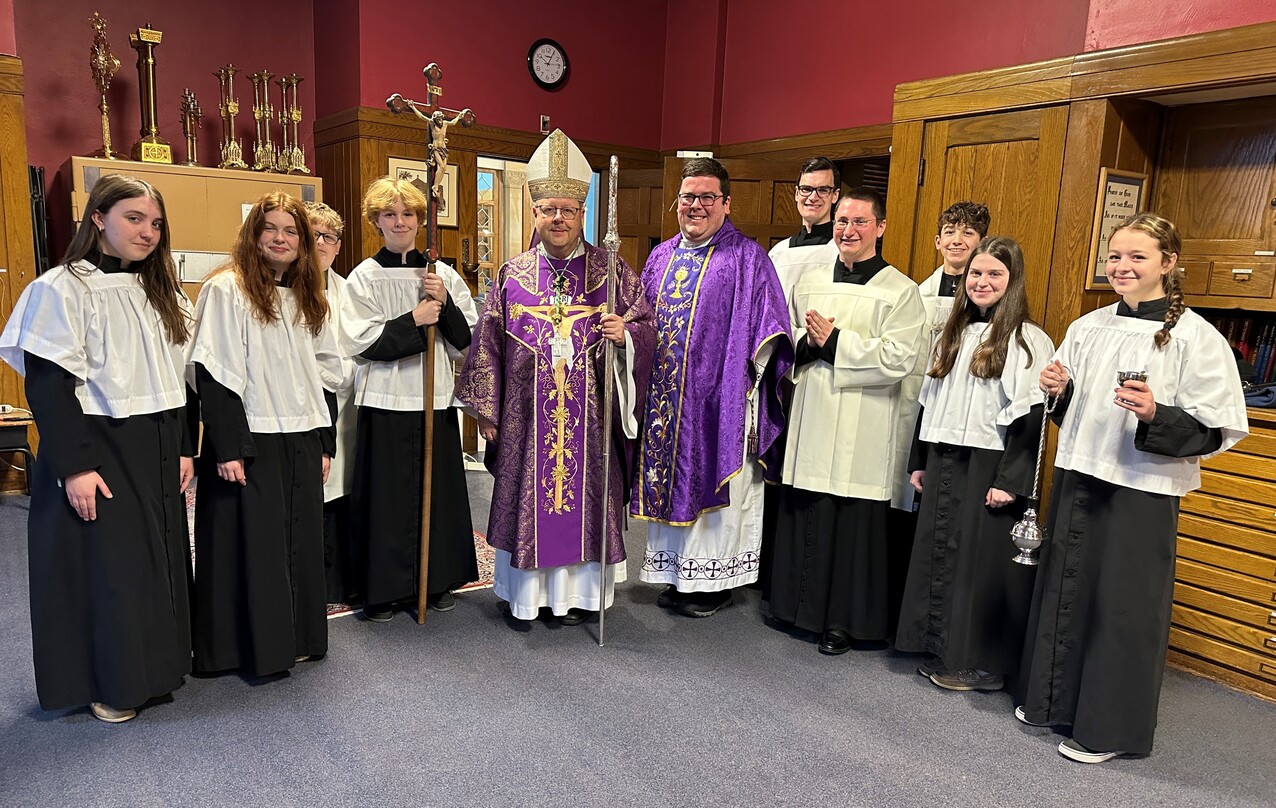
(111, 715)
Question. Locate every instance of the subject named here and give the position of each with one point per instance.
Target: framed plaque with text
(1120, 197)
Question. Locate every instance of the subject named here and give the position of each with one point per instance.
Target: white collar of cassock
(579, 251)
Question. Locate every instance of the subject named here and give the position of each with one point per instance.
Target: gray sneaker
(968, 679)
(932, 667)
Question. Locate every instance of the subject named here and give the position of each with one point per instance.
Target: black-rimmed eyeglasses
(327, 238)
(820, 191)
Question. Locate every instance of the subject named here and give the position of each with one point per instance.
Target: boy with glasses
(713, 408)
(861, 329)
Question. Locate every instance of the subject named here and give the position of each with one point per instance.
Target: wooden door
(1012, 162)
(1217, 179)
(762, 203)
(638, 213)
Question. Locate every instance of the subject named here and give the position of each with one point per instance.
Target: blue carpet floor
(723, 711)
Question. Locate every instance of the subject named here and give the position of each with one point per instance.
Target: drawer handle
(1271, 619)
(1270, 642)
(1267, 670)
(1239, 275)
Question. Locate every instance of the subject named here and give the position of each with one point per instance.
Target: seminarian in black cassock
(105, 378)
(858, 327)
(266, 393)
(378, 328)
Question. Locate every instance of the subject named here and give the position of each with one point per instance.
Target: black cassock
(1099, 627)
(260, 598)
(110, 610)
(965, 600)
(385, 503)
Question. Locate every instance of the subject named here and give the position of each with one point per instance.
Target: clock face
(547, 63)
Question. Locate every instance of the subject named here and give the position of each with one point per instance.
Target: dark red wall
(61, 100)
(1113, 23)
(337, 49)
(695, 46)
(616, 51)
(835, 64)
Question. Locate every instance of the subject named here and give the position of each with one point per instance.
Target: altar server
(1127, 451)
(266, 362)
(101, 340)
(388, 302)
(974, 460)
(861, 332)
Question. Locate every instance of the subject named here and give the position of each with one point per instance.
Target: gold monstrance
(192, 119)
(232, 151)
(103, 65)
(150, 148)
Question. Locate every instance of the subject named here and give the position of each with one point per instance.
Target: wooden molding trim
(381, 124)
(836, 144)
(1232, 56)
(11, 80)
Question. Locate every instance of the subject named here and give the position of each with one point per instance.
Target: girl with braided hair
(1144, 388)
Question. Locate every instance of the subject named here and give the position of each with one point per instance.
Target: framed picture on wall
(1120, 197)
(414, 171)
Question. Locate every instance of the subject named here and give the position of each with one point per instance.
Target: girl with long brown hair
(101, 341)
(266, 363)
(1145, 389)
(974, 457)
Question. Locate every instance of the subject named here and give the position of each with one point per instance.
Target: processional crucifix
(437, 123)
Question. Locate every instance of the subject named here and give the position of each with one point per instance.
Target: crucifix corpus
(437, 121)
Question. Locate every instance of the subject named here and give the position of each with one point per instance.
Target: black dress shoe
(521, 626)
(378, 612)
(442, 602)
(704, 604)
(574, 617)
(669, 597)
(834, 642)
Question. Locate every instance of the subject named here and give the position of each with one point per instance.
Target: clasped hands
(818, 328)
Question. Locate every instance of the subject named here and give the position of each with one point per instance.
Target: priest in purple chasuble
(713, 406)
(534, 379)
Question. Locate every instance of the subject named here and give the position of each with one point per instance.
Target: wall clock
(547, 63)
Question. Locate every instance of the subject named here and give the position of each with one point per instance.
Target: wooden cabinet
(1216, 178)
(1224, 620)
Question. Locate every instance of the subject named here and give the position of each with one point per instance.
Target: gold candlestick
(232, 151)
(283, 157)
(264, 147)
(150, 148)
(296, 154)
(103, 65)
(192, 119)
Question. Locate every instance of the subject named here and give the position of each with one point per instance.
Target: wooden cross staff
(437, 124)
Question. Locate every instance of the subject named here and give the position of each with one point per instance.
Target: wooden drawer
(1252, 640)
(1254, 686)
(1251, 614)
(1239, 538)
(1256, 566)
(1259, 666)
(1244, 465)
(1196, 276)
(1241, 277)
(1228, 510)
(1231, 584)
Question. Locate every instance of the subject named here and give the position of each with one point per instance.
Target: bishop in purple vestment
(534, 377)
(713, 406)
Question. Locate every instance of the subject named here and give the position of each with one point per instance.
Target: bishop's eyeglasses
(550, 211)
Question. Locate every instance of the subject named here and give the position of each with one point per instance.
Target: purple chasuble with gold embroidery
(535, 370)
(716, 307)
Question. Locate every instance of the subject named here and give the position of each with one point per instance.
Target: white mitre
(558, 170)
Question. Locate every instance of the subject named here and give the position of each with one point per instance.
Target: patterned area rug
(482, 550)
